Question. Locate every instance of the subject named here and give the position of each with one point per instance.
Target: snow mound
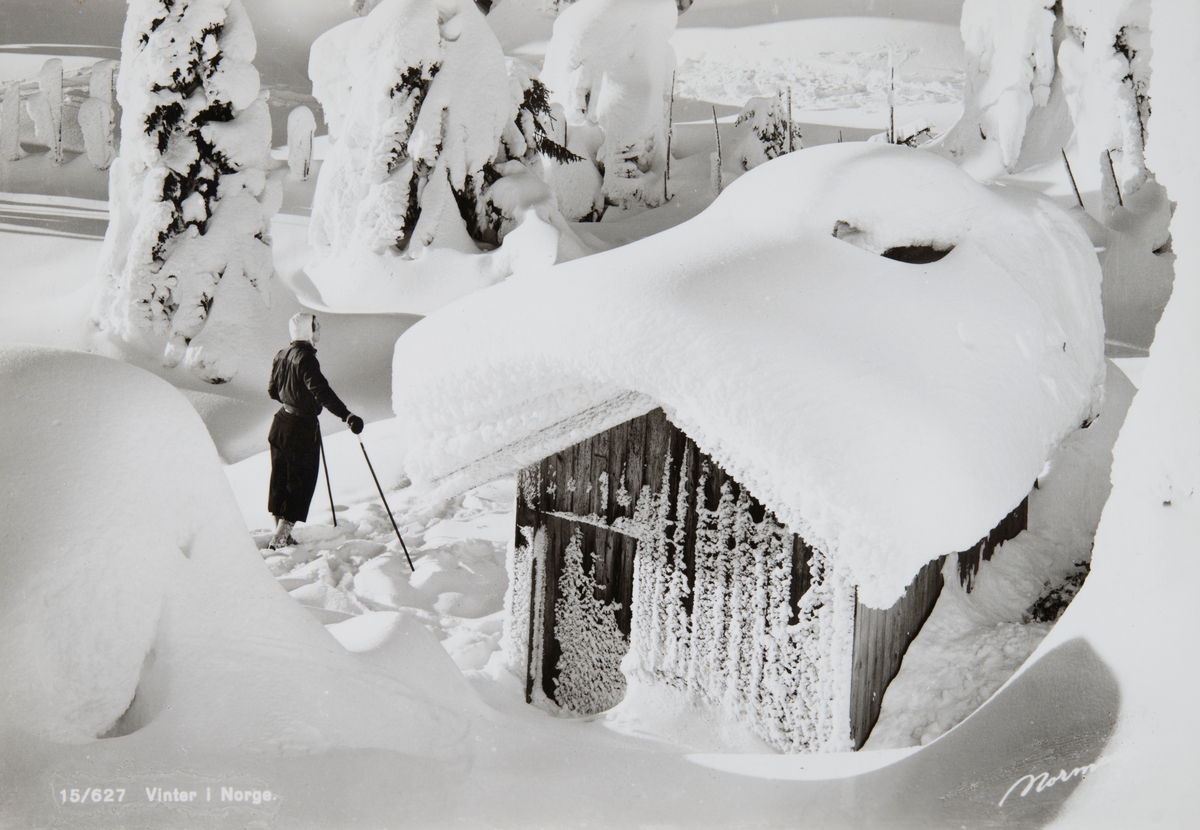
(134, 602)
(889, 411)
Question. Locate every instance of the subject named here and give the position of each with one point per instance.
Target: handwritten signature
(1044, 779)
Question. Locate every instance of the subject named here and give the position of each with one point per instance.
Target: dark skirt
(295, 462)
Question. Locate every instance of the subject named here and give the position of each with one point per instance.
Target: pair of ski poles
(382, 497)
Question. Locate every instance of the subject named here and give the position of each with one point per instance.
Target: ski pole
(325, 464)
(383, 498)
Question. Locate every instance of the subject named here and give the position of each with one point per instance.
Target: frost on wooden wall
(735, 648)
(709, 608)
(526, 564)
(589, 670)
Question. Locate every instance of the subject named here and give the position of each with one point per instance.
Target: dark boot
(283, 535)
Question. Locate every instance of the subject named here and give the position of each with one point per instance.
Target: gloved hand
(356, 424)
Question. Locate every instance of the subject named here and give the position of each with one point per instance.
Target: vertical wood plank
(881, 638)
(551, 651)
(802, 554)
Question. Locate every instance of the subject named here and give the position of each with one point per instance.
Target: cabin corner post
(525, 564)
(881, 639)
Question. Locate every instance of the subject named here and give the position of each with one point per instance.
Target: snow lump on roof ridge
(888, 411)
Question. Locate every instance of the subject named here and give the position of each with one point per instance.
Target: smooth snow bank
(1138, 607)
(134, 603)
(889, 412)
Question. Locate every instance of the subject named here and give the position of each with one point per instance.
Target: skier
(295, 436)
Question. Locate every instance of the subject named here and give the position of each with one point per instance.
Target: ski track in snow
(358, 567)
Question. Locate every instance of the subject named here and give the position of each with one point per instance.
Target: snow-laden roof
(889, 412)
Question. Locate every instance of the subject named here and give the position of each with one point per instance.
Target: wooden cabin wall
(663, 554)
(1008, 528)
(643, 493)
(591, 488)
(882, 637)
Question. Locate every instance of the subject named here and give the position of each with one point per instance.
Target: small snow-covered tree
(187, 256)
(45, 108)
(771, 132)
(10, 123)
(589, 669)
(609, 67)
(300, 126)
(97, 116)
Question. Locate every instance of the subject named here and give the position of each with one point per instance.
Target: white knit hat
(301, 325)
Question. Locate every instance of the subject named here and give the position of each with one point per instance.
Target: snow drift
(888, 411)
(135, 604)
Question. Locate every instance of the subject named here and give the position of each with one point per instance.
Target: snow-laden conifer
(609, 67)
(301, 125)
(1045, 78)
(1105, 64)
(771, 133)
(97, 116)
(45, 108)
(437, 144)
(187, 256)
(1010, 66)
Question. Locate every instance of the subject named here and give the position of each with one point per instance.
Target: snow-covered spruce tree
(1046, 77)
(187, 257)
(492, 204)
(301, 125)
(609, 67)
(771, 135)
(1105, 63)
(437, 143)
(406, 143)
(1010, 66)
(45, 108)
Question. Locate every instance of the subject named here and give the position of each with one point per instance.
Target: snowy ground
(497, 762)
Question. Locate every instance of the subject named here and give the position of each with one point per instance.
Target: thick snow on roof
(889, 412)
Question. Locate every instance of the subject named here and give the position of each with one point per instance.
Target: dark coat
(295, 436)
(296, 381)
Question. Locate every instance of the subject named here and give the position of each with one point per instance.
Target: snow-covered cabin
(859, 357)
